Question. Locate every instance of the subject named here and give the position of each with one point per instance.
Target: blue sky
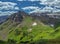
(8, 7)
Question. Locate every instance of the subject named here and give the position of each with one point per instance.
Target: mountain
(47, 17)
(22, 28)
(3, 18)
(12, 21)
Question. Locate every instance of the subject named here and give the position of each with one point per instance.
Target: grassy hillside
(29, 31)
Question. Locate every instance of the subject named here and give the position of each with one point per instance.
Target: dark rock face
(17, 17)
(45, 18)
(3, 18)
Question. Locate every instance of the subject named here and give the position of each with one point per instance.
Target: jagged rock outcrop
(3, 18)
(47, 18)
(18, 17)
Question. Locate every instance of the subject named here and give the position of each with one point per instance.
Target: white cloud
(38, 9)
(28, 0)
(55, 3)
(56, 10)
(47, 8)
(7, 12)
(17, 8)
(8, 6)
(47, 2)
(31, 7)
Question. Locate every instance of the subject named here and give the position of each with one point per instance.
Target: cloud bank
(8, 6)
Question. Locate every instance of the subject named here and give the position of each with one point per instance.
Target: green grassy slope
(25, 32)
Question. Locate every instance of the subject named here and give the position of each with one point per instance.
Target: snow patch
(29, 30)
(34, 24)
(51, 25)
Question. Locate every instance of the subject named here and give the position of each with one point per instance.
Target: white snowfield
(51, 25)
(29, 30)
(34, 24)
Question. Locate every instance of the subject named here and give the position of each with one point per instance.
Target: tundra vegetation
(28, 31)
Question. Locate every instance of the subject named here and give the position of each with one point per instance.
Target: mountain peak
(17, 17)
